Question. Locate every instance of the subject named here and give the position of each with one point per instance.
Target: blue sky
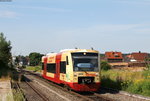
(51, 25)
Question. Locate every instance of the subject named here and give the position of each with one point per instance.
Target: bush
(140, 87)
(109, 83)
(105, 65)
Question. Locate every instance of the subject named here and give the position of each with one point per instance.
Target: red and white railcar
(78, 69)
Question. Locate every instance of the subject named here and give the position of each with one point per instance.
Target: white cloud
(137, 2)
(145, 31)
(94, 34)
(103, 29)
(114, 27)
(8, 14)
(107, 37)
(39, 8)
(49, 9)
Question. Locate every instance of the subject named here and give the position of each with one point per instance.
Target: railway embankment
(9, 90)
(6, 91)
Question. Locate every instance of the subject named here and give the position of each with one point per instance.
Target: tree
(35, 58)
(5, 51)
(21, 60)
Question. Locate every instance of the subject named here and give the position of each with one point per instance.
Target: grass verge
(17, 95)
(133, 82)
(34, 68)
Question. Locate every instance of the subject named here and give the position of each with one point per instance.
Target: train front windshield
(85, 61)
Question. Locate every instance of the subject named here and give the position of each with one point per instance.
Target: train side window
(42, 66)
(63, 67)
(67, 60)
(51, 68)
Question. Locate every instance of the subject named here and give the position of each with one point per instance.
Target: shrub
(148, 66)
(105, 65)
(107, 82)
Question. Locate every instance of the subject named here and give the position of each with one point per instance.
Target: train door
(63, 71)
(45, 67)
(57, 75)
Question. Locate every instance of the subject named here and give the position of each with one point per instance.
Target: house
(113, 56)
(137, 57)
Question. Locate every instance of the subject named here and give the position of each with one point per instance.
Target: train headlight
(75, 74)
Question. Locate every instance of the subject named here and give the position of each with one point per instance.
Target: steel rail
(92, 97)
(37, 91)
(62, 88)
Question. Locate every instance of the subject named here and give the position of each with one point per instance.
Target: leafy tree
(5, 51)
(21, 60)
(35, 58)
(105, 65)
(17, 61)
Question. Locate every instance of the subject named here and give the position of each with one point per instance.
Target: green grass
(17, 95)
(134, 82)
(34, 68)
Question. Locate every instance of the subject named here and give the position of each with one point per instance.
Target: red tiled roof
(139, 56)
(113, 55)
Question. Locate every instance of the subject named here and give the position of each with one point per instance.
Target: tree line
(5, 52)
(33, 59)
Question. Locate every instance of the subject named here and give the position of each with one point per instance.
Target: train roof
(79, 50)
(70, 51)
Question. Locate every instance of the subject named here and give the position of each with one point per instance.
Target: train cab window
(67, 60)
(51, 68)
(42, 66)
(85, 61)
(63, 67)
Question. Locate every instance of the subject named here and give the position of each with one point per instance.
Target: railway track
(90, 96)
(38, 93)
(15, 86)
(106, 94)
(31, 92)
